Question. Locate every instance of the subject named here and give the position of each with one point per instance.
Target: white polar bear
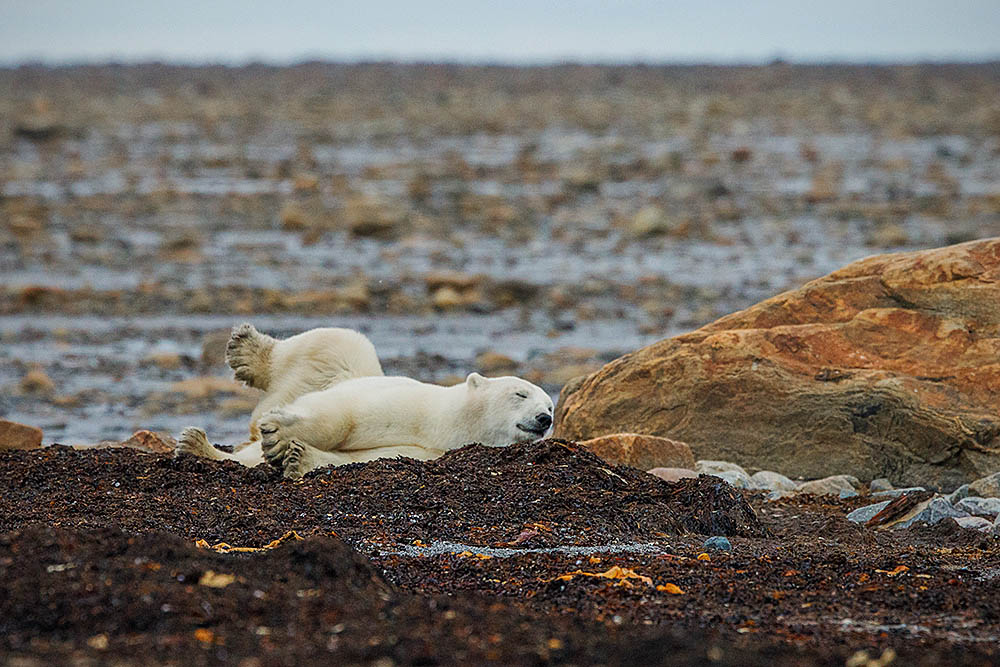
(326, 402)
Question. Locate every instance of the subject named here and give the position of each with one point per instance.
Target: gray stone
(712, 467)
(864, 514)
(829, 486)
(936, 510)
(880, 484)
(736, 479)
(847, 493)
(987, 487)
(975, 523)
(717, 543)
(958, 494)
(980, 506)
(772, 481)
(896, 493)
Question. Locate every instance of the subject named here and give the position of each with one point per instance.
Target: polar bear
(327, 403)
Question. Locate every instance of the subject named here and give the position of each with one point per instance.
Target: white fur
(326, 402)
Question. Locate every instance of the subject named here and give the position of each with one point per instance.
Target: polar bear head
(508, 409)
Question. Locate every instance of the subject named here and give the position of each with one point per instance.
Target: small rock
(987, 487)
(37, 382)
(880, 484)
(672, 474)
(829, 486)
(717, 543)
(979, 506)
(975, 523)
(645, 452)
(707, 467)
(958, 494)
(895, 493)
(14, 435)
(735, 478)
(936, 510)
(149, 441)
(490, 362)
(773, 481)
(864, 514)
(447, 298)
(847, 493)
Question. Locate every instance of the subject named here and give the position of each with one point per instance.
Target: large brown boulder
(889, 367)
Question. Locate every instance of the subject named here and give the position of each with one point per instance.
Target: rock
(672, 474)
(765, 479)
(149, 441)
(830, 486)
(975, 523)
(653, 221)
(717, 543)
(895, 493)
(36, 382)
(641, 451)
(14, 435)
(711, 467)
(447, 298)
(888, 365)
(986, 487)
(490, 362)
(209, 385)
(847, 493)
(735, 478)
(979, 506)
(932, 512)
(865, 514)
(880, 484)
(958, 494)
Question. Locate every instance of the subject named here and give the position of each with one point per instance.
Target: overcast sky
(234, 31)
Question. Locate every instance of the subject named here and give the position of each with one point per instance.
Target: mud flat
(522, 555)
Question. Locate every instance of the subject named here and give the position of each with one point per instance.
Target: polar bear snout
(544, 420)
(536, 426)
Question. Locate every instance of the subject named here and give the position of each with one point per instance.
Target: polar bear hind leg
(248, 353)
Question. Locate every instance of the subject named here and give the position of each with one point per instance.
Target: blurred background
(517, 188)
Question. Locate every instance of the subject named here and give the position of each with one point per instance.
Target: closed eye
(521, 394)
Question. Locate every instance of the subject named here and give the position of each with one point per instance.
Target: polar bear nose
(543, 420)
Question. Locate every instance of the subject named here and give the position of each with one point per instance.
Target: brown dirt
(98, 563)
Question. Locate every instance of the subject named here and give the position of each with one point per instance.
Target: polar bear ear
(475, 380)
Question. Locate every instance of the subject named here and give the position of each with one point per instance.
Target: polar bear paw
(280, 450)
(194, 441)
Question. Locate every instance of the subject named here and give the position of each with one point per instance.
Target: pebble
(880, 484)
(712, 467)
(772, 481)
(987, 487)
(717, 543)
(864, 514)
(847, 493)
(980, 506)
(976, 523)
(896, 493)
